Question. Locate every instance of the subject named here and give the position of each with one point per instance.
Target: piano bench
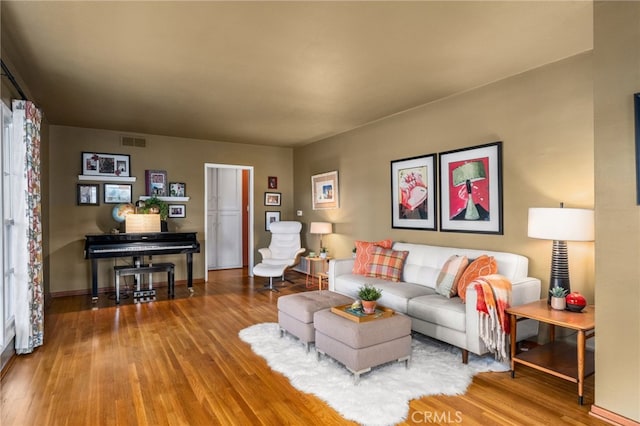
(146, 269)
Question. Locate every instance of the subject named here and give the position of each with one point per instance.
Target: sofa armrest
(339, 267)
(523, 291)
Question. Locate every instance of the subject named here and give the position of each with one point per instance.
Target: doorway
(228, 215)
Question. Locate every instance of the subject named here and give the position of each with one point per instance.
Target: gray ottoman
(295, 312)
(360, 346)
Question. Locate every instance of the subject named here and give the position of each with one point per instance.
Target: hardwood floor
(181, 362)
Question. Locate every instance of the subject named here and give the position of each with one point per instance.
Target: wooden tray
(345, 311)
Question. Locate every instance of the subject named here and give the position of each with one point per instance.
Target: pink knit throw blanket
(494, 297)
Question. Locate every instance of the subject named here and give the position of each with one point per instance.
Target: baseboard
(610, 417)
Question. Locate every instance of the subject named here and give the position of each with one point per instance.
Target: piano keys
(137, 245)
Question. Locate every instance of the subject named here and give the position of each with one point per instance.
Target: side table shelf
(558, 359)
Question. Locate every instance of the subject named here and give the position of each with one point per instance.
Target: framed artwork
(177, 210)
(156, 182)
(88, 194)
(269, 218)
(636, 101)
(413, 193)
(177, 189)
(272, 182)
(324, 191)
(116, 193)
(272, 198)
(100, 164)
(471, 189)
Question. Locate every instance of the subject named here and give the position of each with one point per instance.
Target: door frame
(208, 166)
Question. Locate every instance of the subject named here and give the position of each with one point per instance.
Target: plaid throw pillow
(363, 258)
(447, 282)
(386, 263)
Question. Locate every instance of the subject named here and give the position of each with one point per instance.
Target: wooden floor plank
(181, 362)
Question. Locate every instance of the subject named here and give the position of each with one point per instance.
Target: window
(7, 283)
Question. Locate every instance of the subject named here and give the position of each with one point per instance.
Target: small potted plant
(558, 300)
(324, 252)
(353, 252)
(369, 295)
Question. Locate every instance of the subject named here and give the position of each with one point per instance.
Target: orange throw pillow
(483, 265)
(363, 257)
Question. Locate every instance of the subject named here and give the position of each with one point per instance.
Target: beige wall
(183, 159)
(544, 118)
(616, 78)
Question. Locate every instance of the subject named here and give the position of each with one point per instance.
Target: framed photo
(177, 189)
(156, 182)
(88, 194)
(272, 182)
(413, 193)
(269, 218)
(100, 164)
(636, 101)
(324, 191)
(177, 210)
(471, 189)
(116, 193)
(272, 198)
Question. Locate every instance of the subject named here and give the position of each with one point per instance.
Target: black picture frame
(272, 198)
(177, 189)
(636, 106)
(156, 183)
(103, 164)
(177, 210)
(272, 182)
(413, 193)
(478, 208)
(88, 194)
(117, 193)
(269, 218)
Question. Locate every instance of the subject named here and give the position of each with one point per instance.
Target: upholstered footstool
(361, 346)
(295, 312)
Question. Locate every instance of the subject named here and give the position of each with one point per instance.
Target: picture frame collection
(470, 191)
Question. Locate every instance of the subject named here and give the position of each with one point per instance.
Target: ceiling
(272, 73)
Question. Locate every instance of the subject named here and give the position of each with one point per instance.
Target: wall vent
(133, 141)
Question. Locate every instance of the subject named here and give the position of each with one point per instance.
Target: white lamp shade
(561, 224)
(320, 228)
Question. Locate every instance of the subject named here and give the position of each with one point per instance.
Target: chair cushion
(386, 263)
(363, 258)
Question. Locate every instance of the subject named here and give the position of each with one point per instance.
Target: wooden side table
(316, 268)
(561, 359)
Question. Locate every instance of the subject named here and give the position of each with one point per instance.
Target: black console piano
(137, 245)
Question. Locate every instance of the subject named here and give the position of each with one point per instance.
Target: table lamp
(465, 174)
(560, 225)
(321, 228)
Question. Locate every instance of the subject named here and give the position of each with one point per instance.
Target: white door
(224, 218)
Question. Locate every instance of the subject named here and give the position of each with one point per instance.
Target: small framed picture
(324, 191)
(177, 189)
(269, 218)
(272, 182)
(177, 210)
(88, 194)
(116, 193)
(272, 198)
(156, 182)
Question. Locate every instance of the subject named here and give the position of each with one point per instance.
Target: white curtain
(27, 228)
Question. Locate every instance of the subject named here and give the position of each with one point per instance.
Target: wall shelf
(169, 199)
(93, 178)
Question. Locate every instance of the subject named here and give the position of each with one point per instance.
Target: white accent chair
(283, 252)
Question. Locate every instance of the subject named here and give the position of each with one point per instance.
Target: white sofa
(446, 319)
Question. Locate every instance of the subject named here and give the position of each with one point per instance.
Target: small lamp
(321, 228)
(465, 174)
(561, 225)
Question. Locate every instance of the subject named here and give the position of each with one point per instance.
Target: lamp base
(559, 268)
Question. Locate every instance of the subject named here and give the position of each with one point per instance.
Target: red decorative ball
(576, 302)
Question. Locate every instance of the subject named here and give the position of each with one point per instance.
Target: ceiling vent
(133, 141)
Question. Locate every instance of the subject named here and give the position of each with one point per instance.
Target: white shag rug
(382, 396)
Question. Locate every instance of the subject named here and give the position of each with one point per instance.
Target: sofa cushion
(483, 265)
(363, 257)
(439, 310)
(386, 263)
(447, 281)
